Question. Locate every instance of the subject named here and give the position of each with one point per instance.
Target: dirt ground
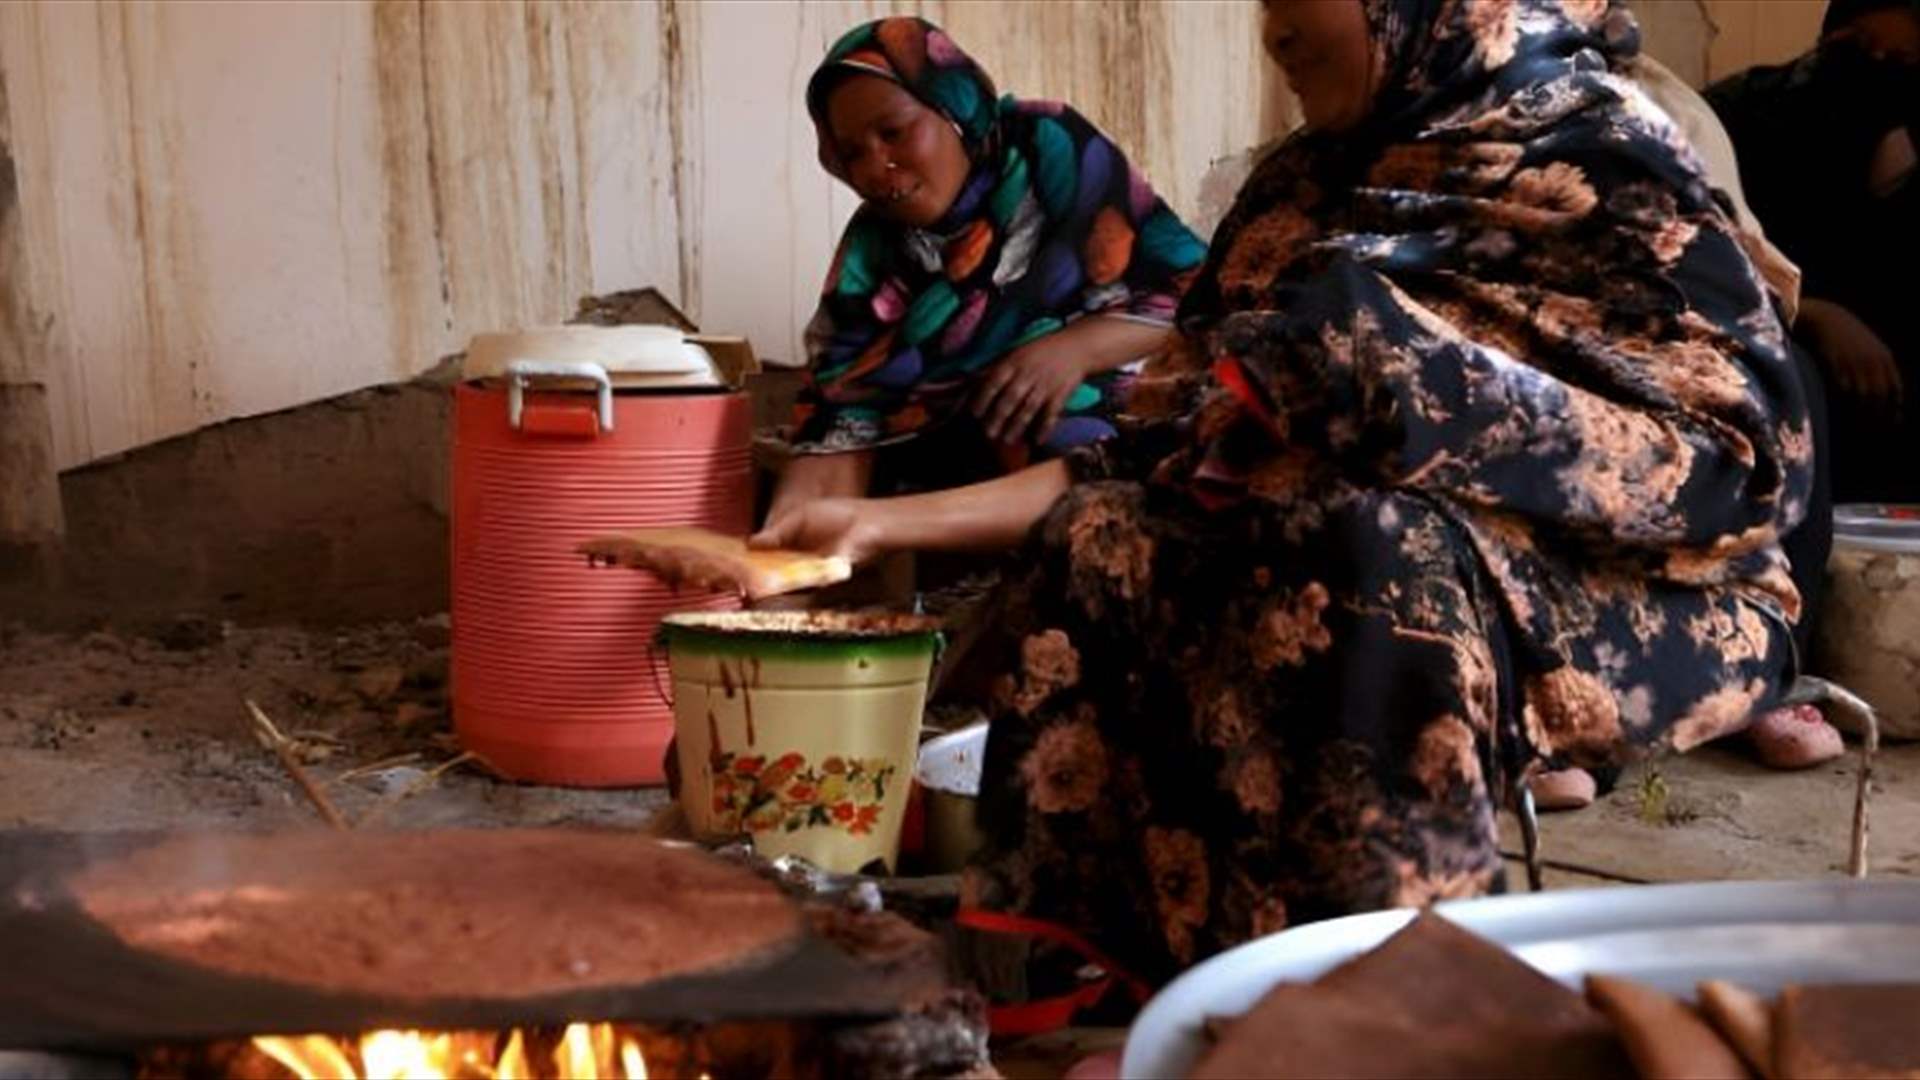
(1717, 814)
(105, 731)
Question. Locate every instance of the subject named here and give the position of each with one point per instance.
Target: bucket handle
(933, 668)
(520, 371)
(653, 668)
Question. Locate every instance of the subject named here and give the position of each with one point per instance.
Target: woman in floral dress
(1473, 457)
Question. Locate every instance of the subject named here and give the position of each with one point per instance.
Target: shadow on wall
(331, 513)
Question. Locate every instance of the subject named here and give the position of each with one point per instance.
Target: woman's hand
(993, 516)
(1024, 394)
(1861, 363)
(848, 527)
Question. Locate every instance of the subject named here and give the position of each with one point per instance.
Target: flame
(585, 1052)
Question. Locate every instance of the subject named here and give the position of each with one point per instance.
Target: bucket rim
(1877, 527)
(800, 633)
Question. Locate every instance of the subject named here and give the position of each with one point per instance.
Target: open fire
(687, 965)
(582, 1052)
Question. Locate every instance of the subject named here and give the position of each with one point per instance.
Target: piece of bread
(1433, 1001)
(1852, 1031)
(1431, 952)
(1744, 1019)
(1666, 1039)
(1305, 1030)
(699, 557)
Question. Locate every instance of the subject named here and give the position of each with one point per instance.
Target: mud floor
(105, 731)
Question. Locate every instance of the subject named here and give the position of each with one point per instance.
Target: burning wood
(943, 1039)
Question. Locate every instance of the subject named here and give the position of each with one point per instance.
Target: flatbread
(1848, 1031)
(1433, 1002)
(1666, 1039)
(1304, 1030)
(704, 558)
(468, 913)
(1744, 1019)
(1433, 952)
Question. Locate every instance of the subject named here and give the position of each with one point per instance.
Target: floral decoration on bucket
(755, 794)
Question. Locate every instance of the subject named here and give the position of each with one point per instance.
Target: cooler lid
(1888, 527)
(633, 357)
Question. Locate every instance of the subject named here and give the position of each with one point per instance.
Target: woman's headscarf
(1806, 132)
(1511, 288)
(1841, 12)
(1052, 224)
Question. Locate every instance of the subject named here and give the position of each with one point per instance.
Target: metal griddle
(67, 983)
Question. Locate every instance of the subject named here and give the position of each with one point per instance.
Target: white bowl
(1762, 935)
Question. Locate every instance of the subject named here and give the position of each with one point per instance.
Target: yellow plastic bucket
(798, 730)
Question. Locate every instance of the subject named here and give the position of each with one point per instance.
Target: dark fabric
(1052, 225)
(1476, 454)
(1809, 544)
(1805, 133)
(1874, 452)
(1841, 12)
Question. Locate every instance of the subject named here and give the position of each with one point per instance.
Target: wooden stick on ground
(271, 737)
(375, 766)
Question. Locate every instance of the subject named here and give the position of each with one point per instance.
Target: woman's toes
(1563, 789)
(1796, 737)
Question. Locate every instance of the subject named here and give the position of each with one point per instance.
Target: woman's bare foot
(1796, 737)
(1563, 789)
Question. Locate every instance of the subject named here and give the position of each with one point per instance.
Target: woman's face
(1323, 47)
(901, 156)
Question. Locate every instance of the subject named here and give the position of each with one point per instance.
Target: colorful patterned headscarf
(1051, 225)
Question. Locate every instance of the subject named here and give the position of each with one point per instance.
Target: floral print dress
(1475, 456)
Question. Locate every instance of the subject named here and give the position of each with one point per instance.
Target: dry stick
(312, 735)
(379, 810)
(282, 747)
(376, 766)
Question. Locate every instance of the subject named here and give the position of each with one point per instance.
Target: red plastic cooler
(561, 435)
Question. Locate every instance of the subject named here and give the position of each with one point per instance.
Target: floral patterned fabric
(1475, 456)
(1052, 225)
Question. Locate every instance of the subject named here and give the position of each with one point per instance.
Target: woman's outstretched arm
(993, 516)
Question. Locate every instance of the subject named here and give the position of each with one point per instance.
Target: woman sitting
(1006, 263)
(1827, 146)
(1474, 453)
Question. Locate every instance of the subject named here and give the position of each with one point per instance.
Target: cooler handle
(519, 371)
